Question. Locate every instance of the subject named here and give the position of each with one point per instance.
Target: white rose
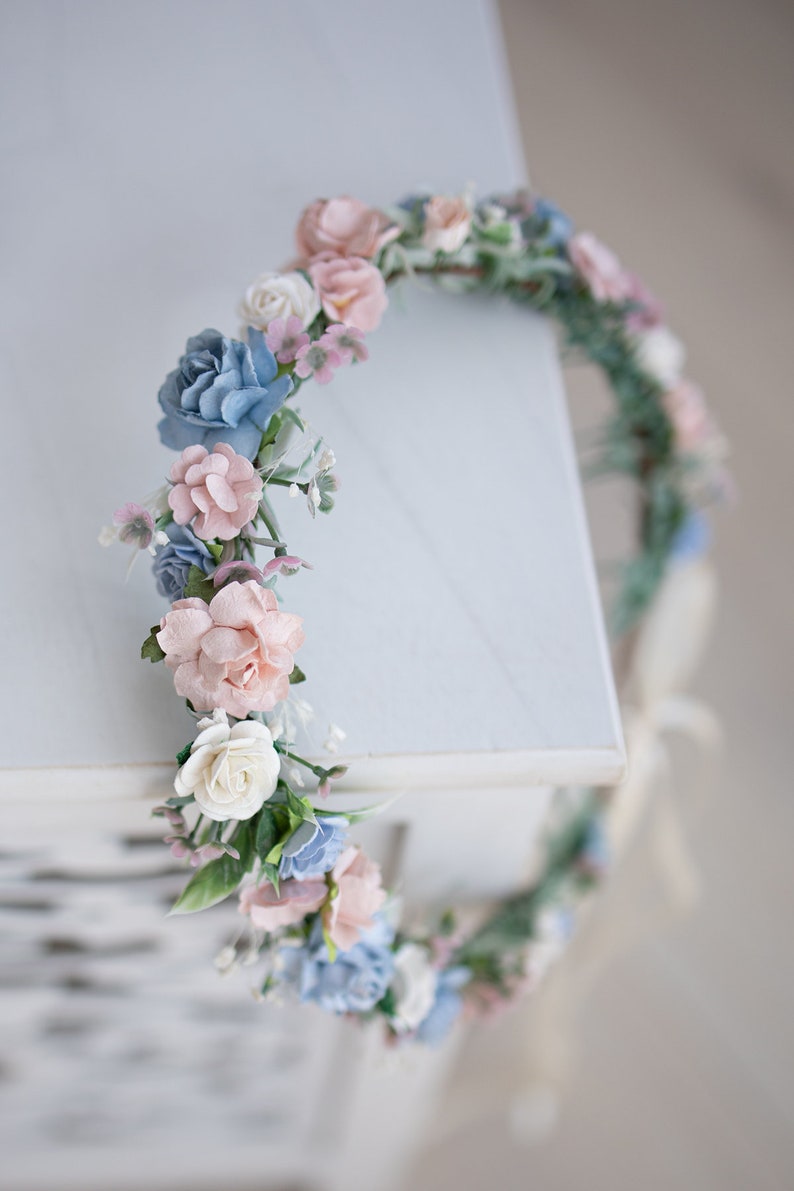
(230, 771)
(661, 354)
(279, 295)
(447, 224)
(413, 987)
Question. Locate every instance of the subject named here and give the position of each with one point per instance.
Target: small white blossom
(334, 738)
(413, 986)
(226, 960)
(661, 354)
(279, 295)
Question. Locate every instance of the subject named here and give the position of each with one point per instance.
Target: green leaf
(198, 586)
(180, 800)
(217, 879)
(210, 885)
(243, 840)
(300, 808)
(387, 1003)
(270, 871)
(268, 832)
(274, 855)
(183, 754)
(296, 676)
(150, 648)
(215, 549)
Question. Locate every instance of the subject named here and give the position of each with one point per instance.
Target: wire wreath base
(318, 920)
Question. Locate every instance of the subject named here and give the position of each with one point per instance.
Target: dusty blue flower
(559, 226)
(352, 983)
(172, 563)
(693, 538)
(222, 391)
(313, 848)
(446, 1007)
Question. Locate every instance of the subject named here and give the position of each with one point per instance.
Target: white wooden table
(157, 157)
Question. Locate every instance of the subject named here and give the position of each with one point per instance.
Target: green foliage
(183, 754)
(198, 586)
(215, 880)
(296, 676)
(150, 648)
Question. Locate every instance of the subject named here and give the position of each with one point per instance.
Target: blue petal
(208, 340)
(238, 405)
(190, 399)
(211, 403)
(244, 439)
(264, 361)
(178, 433)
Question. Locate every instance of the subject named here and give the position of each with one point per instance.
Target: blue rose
(354, 982)
(446, 1007)
(222, 391)
(313, 848)
(559, 226)
(172, 563)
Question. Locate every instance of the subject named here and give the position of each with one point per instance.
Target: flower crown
(315, 910)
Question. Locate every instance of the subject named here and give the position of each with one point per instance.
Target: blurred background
(665, 127)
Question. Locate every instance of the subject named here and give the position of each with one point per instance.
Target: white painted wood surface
(158, 156)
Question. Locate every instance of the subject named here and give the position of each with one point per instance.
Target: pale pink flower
(685, 406)
(649, 311)
(221, 487)
(348, 342)
(234, 653)
(236, 571)
(269, 911)
(318, 359)
(284, 338)
(135, 526)
(343, 226)
(447, 224)
(351, 290)
(360, 895)
(599, 268)
(285, 564)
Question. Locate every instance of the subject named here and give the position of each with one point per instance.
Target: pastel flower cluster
(314, 907)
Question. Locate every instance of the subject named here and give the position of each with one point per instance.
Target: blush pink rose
(360, 896)
(269, 911)
(685, 406)
(351, 290)
(599, 268)
(447, 224)
(235, 652)
(345, 227)
(222, 488)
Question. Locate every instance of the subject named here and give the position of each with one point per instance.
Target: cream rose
(662, 355)
(447, 224)
(230, 771)
(279, 295)
(413, 986)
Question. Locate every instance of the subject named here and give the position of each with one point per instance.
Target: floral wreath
(316, 913)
